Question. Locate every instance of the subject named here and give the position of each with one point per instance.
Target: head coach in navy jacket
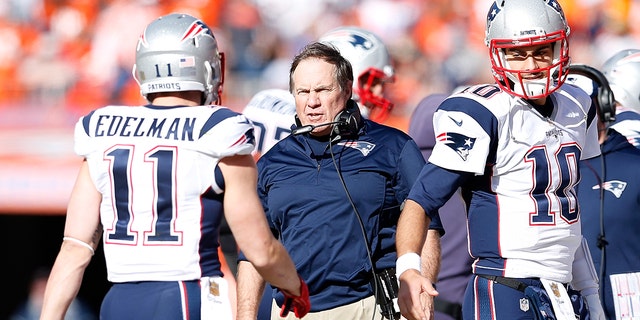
(333, 192)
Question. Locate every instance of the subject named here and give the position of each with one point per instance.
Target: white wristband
(80, 242)
(407, 261)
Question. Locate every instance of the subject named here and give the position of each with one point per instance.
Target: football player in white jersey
(155, 184)
(272, 113)
(372, 68)
(513, 148)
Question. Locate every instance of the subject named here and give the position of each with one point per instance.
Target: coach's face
(318, 96)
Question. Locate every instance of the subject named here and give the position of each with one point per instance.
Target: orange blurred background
(59, 59)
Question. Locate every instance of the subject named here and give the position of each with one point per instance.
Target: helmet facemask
(514, 81)
(214, 81)
(515, 24)
(377, 108)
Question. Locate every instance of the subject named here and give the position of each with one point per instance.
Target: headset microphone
(308, 128)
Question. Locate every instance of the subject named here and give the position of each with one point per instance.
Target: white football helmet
(623, 72)
(371, 65)
(519, 23)
(178, 52)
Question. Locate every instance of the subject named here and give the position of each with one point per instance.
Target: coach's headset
(346, 124)
(604, 98)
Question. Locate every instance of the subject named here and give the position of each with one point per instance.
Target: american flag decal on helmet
(460, 143)
(362, 146)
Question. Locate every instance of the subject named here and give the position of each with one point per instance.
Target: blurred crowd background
(60, 59)
(76, 55)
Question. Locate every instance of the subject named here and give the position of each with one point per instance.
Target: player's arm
(410, 238)
(250, 290)
(585, 279)
(411, 234)
(410, 165)
(430, 259)
(246, 218)
(430, 255)
(231, 280)
(81, 235)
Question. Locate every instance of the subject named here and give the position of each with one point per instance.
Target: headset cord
(602, 241)
(362, 228)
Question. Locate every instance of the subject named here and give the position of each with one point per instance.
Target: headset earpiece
(349, 119)
(605, 99)
(607, 104)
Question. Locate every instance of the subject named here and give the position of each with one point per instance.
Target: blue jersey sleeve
(431, 199)
(410, 163)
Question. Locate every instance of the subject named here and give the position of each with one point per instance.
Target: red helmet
(371, 65)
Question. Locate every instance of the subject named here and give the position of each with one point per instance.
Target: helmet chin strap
(527, 88)
(531, 88)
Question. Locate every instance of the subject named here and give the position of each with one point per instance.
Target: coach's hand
(299, 304)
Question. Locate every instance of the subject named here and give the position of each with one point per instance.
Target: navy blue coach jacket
(316, 192)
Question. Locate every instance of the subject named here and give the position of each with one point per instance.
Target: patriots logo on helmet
(362, 146)
(556, 6)
(356, 40)
(615, 186)
(196, 28)
(493, 12)
(460, 143)
(359, 41)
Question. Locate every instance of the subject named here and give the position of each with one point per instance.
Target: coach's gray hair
(328, 53)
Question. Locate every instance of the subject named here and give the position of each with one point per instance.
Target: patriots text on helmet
(158, 87)
(161, 128)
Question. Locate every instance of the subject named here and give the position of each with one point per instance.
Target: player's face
(534, 58)
(317, 93)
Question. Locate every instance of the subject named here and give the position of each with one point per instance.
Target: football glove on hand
(299, 304)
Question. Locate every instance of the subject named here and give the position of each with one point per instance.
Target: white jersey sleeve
(453, 146)
(156, 168)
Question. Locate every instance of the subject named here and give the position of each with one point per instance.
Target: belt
(509, 282)
(453, 309)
